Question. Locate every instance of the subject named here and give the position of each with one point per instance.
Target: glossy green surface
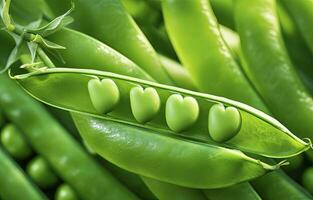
(65, 192)
(127, 38)
(242, 191)
(196, 37)
(63, 87)
(284, 188)
(181, 112)
(104, 94)
(14, 142)
(271, 71)
(61, 151)
(301, 12)
(224, 123)
(167, 191)
(140, 151)
(23, 188)
(145, 103)
(89, 52)
(41, 173)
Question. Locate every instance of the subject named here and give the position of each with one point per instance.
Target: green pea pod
(67, 89)
(167, 191)
(41, 173)
(91, 52)
(127, 38)
(298, 51)
(60, 150)
(14, 142)
(271, 71)
(142, 12)
(223, 9)
(178, 73)
(243, 191)
(301, 12)
(138, 150)
(131, 180)
(196, 37)
(14, 184)
(285, 187)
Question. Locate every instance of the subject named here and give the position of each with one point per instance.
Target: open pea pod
(197, 117)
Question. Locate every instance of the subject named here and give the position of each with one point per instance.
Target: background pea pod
(127, 38)
(239, 191)
(285, 187)
(196, 37)
(301, 12)
(91, 52)
(271, 74)
(61, 87)
(11, 176)
(167, 191)
(29, 112)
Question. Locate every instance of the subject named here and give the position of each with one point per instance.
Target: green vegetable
(65, 192)
(145, 103)
(91, 52)
(271, 71)
(224, 123)
(127, 38)
(41, 173)
(119, 143)
(13, 182)
(301, 12)
(181, 112)
(104, 94)
(14, 142)
(167, 191)
(62, 87)
(196, 37)
(284, 188)
(60, 150)
(240, 191)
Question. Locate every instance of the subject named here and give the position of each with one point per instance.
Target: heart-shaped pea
(104, 94)
(145, 103)
(223, 124)
(181, 112)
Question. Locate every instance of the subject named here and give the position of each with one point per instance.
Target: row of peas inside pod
(14, 144)
(181, 112)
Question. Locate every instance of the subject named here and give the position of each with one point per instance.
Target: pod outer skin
(269, 67)
(119, 31)
(165, 158)
(51, 141)
(167, 191)
(199, 44)
(14, 184)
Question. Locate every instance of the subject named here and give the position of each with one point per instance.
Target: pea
(39, 170)
(65, 192)
(14, 142)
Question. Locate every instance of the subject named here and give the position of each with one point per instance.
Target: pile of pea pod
(156, 99)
